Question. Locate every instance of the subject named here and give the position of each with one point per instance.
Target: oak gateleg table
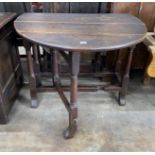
(77, 33)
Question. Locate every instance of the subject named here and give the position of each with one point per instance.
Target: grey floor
(103, 125)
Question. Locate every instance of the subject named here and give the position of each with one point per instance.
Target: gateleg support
(125, 78)
(32, 77)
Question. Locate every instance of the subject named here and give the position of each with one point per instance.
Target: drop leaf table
(77, 33)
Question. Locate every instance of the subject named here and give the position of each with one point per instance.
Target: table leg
(37, 64)
(39, 58)
(46, 61)
(125, 78)
(73, 110)
(56, 78)
(32, 78)
(118, 63)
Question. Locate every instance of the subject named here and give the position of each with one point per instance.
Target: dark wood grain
(81, 32)
(84, 7)
(104, 7)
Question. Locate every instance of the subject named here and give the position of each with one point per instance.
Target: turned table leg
(73, 110)
(118, 63)
(55, 71)
(125, 78)
(72, 105)
(36, 63)
(32, 78)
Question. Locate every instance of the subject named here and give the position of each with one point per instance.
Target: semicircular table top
(81, 32)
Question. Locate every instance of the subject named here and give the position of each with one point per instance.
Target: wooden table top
(81, 32)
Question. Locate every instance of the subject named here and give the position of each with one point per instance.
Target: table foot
(121, 100)
(70, 131)
(34, 103)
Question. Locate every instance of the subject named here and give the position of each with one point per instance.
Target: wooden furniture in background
(10, 69)
(78, 33)
(150, 69)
